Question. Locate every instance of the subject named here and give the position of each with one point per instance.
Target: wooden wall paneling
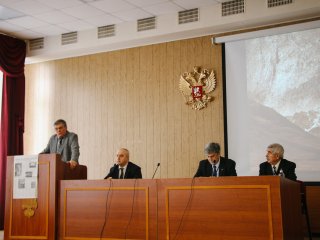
(38, 88)
(43, 100)
(51, 90)
(108, 120)
(136, 145)
(123, 82)
(187, 63)
(73, 92)
(177, 113)
(88, 108)
(163, 127)
(119, 88)
(69, 92)
(150, 79)
(98, 123)
(202, 122)
(63, 90)
(127, 98)
(212, 111)
(57, 91)
(193, 127)
(166, 168)
(77, 124)
(217, 61)
(29, 108)
(219, 121)
(145, 60)
(158, 52)
(114, 78)
(105, 160)
(216, 112)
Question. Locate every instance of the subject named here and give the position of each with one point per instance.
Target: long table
(199, 208)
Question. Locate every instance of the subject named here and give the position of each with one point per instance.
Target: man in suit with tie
(215, 165)
(64, 143)
(123, 168)
(276, 164)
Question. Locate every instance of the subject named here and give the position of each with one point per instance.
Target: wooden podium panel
(108, 209)
(42, 224)
(229, 208)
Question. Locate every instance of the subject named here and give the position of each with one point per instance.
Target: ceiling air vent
(146, 24)
(106, 31)
(35, 44)
(232, 7)
(69, 38)
(275, 3)
(187, 16)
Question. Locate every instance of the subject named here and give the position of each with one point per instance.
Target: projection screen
(273, 96)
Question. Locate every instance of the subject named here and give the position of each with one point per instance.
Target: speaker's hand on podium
(73, 164)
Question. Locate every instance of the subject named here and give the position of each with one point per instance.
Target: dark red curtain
(12, 57)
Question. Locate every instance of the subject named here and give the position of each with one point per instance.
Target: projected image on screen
(280, 80)
(283, 87)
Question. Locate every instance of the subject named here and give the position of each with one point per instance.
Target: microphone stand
(155, 170)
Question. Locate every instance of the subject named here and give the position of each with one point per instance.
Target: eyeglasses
(213, 155)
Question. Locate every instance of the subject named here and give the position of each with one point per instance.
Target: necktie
(121, 173)
(214, 170)
(274, 170)
(59, 143)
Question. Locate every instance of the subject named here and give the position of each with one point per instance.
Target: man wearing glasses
(215, 165)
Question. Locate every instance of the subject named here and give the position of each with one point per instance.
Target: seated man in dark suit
(215, 165)
(123, 168)
(276, 164)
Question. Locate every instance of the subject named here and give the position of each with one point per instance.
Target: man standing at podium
(123, 168)
(64, 143)
(276, 165)
(215, 165)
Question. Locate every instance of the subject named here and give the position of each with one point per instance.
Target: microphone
(155, 170)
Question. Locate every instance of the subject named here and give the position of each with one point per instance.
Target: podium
(257, 208)
(43, 224)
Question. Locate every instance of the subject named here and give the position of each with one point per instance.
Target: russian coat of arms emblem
(197, 87)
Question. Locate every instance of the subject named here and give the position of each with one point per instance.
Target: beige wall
(127, 98)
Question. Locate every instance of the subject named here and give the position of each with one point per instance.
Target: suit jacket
(227, 167)
(69, 148)
(287, 167)
(132, 171)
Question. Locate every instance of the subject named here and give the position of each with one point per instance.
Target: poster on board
(25, 178)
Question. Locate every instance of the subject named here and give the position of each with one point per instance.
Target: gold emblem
(196, 87)
(29, 206)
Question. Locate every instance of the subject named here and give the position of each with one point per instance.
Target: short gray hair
(276, 148)
(60, 121)
(212, 148)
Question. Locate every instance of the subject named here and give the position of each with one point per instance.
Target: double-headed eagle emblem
(196, 86)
